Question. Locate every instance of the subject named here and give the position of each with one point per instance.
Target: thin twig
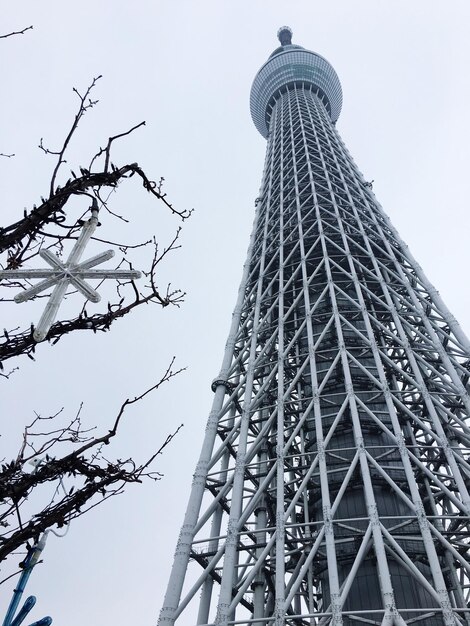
(83, 107)
(17, 32)
(111, 139)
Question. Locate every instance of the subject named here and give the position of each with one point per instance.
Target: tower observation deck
(332, 485)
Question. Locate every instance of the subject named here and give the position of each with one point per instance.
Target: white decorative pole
(63, 274)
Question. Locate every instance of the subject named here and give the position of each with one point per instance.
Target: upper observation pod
(291, 65)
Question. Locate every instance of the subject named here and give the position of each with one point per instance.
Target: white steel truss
(333, 482)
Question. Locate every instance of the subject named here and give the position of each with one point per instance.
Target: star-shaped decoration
(62, 274)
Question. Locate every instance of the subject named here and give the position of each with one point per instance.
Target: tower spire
(284, 34)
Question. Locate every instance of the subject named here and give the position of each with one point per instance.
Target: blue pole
(31, 560)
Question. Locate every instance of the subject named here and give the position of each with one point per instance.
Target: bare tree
(48, 226)
(61, 467)
(72, 481)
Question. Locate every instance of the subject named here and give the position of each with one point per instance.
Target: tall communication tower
(332, 485)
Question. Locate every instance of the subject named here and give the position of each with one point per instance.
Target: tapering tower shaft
(332, 487)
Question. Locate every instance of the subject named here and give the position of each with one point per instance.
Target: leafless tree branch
(48, 226)
(85, 103)
(21, 342)
(64, 465)
(13, 236)
(75, 478)
(17, 32)
(107, 151)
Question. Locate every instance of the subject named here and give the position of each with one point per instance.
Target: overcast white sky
(186, 67)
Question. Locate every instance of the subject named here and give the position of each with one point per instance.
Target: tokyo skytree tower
(333, 482)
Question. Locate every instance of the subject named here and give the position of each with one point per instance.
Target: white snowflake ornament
(62, 274)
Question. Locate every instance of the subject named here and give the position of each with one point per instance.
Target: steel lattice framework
(332, 486)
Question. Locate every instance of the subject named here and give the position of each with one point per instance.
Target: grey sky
(187, 67)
